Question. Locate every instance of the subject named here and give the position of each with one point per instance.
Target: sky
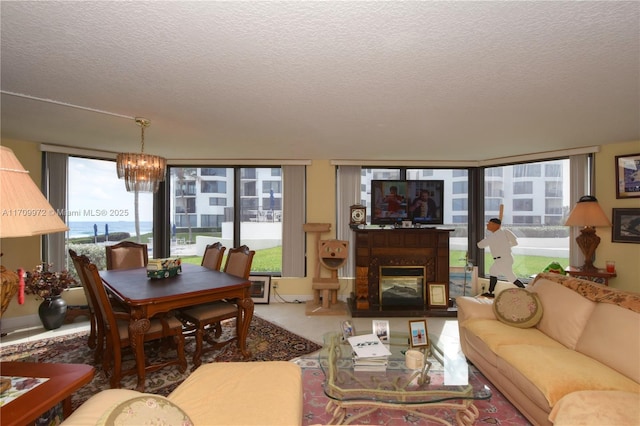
(96, 193)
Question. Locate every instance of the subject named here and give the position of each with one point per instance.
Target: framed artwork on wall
(626, 226)
(628, 176)
(260, 288)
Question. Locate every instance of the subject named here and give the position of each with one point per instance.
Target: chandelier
(141, 172)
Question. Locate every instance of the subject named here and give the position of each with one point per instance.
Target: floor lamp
(588, 214)
(25, 213)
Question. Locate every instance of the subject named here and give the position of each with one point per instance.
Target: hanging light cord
(66, 104)
(142, 122)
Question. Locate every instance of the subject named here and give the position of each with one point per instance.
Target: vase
(52, 312)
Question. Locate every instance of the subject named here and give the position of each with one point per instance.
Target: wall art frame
(418, 335)
(628, 176)
(381, 329)
(260, 289)
(438, 295)
(626, 226)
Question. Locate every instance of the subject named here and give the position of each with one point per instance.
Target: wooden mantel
(376, 247)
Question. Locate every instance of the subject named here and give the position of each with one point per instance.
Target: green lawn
(523, 266)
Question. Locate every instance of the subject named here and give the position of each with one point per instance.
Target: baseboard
(9, 325)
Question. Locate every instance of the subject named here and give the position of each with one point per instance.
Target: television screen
(426, 198)
(388, 201)
(420, 201)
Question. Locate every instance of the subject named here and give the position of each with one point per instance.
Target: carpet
(266, 341)
(495, 411)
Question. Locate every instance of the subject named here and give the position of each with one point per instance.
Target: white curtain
(348, 194)
(55, 189)
(293, 219)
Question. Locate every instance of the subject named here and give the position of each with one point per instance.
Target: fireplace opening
(402, 286)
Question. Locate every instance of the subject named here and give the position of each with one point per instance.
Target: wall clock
(358, 215)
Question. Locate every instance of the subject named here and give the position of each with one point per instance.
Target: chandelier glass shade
(141, 172)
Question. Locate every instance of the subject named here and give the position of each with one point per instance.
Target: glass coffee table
(444, 382)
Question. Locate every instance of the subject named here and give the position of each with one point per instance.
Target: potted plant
(49, 285)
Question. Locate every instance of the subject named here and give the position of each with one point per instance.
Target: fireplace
(402, 286)
(394, 268)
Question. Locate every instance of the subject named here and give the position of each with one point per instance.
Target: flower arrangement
(44, 283)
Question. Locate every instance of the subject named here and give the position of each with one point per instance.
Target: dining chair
(212, 257)
(200, 319)
(127, 255)
(96, 331)
(116, 326)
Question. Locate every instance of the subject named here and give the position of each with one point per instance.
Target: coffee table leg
(338, 412)
(466, 412)
(468, 416)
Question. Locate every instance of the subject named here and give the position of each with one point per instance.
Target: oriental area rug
(267, 342)
(495, 411)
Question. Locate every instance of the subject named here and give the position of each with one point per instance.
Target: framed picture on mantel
(438, 297)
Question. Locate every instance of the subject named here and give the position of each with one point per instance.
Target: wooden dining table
(146, 297)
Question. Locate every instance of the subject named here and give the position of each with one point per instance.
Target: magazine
(368, 346)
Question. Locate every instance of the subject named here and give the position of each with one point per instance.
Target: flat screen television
(420, 201)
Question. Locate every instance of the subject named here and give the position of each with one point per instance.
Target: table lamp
(588, 214)
(25, 212)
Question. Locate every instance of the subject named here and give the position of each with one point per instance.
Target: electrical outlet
(275, 285)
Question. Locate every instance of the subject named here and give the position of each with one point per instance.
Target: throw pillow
(147, 409)
(518, 307)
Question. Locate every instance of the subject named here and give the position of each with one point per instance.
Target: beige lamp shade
(587, 212)
(24, 211)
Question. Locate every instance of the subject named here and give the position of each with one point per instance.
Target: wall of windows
(202, 210)
(201, 205)
(100, 211)
(536, 201)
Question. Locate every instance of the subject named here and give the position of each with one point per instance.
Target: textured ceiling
(323, 80)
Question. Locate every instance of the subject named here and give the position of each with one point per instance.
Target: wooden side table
(64, 380)
(600, 276)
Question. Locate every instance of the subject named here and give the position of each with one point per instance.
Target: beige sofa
(579, 365)
(226, 393)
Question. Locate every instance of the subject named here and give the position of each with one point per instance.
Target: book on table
(369, 353)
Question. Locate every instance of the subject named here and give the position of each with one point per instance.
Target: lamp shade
(24, 211)
(587, 212)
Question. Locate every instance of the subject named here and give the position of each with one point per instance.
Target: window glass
(261, 217)
(207, 215)
(101, 212)
(537, 218)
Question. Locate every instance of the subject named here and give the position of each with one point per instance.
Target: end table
(600, 276)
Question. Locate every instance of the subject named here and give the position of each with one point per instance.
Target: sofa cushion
(612, 336)
(597, 408)
(558, 321)
(518, 307)
(495, 334)
(147, 409)
(93, 408)
(560, 371)
(242, 393)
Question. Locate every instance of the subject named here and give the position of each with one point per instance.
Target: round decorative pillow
(147, 409)
(518, 307)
